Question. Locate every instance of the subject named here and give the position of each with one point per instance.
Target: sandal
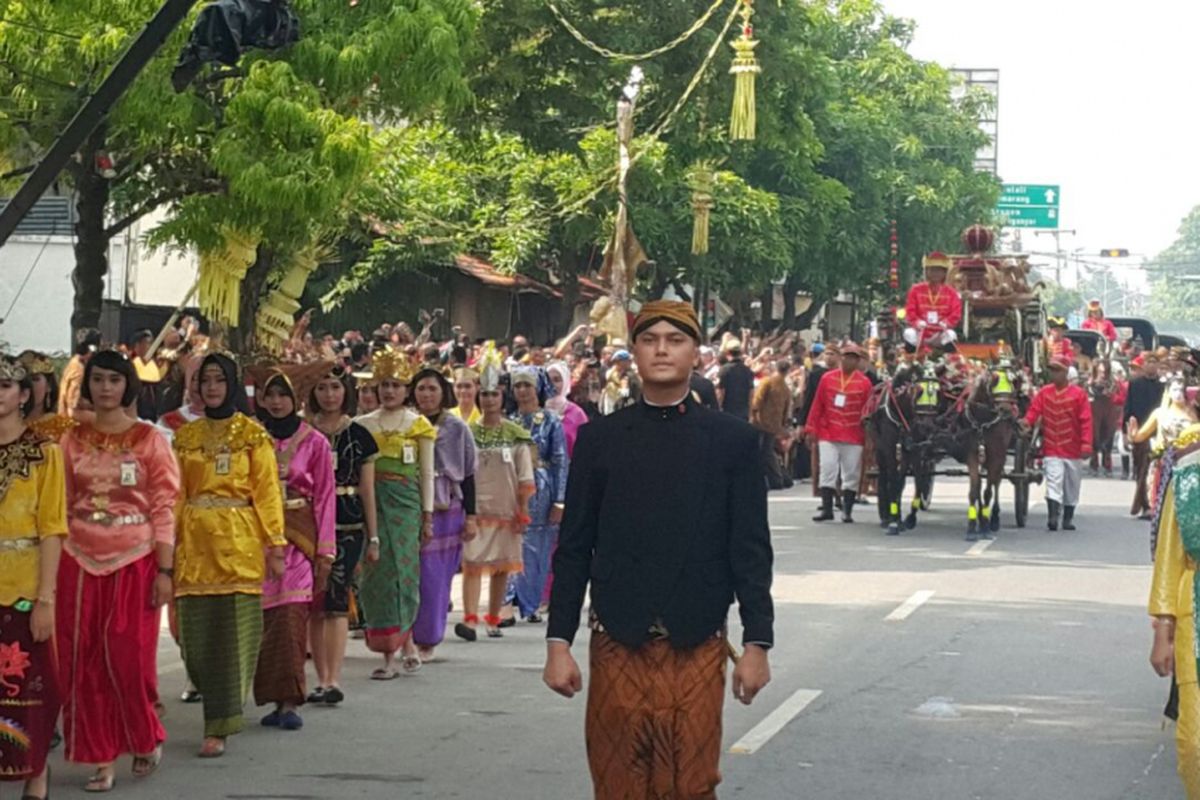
(466, 628)
(411, 664)
(494, 624)
(384, 674)
(214, 747)
(145, 765)
(100, 783)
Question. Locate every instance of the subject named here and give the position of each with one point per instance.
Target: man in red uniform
(933, 309)
(1066, 416)
(835, 421)
(1058, 346)
(1096, 322)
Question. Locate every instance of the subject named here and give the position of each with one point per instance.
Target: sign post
(1024, 205)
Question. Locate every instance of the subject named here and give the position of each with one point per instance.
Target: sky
(1100, 97)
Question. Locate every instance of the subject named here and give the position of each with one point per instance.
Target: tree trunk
(570, 296)
(242, 339)
(790, 287)
(91, 241)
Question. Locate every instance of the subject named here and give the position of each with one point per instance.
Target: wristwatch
(373, 540)
(168, 571)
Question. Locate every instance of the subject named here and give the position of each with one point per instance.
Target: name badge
(931, 317)
(223, 463)
(334, 453)
(507, 454)
(129, 473)
(839, 401)
(410, 454)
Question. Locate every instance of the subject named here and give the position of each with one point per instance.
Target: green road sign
(1029, 205)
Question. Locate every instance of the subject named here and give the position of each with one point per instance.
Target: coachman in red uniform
(1096, 321)
(933, 309)
(835, 421)
(1066, 416)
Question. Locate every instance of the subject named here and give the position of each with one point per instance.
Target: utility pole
(1060, 256)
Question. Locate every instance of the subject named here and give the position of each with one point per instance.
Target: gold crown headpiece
(36, 363)
(491, 367)
(390, 364)
(12, 370)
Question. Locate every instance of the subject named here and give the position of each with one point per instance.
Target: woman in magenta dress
(569, 413)
(115, 575)
(306, 473)
(454, 507)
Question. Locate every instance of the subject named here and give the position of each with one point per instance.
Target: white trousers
(1063, 478)
(840, 458)
(940, 339)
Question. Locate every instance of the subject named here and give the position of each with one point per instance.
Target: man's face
(664, 354)
(937, 276)
(850, 362)
(141, 347)
(520, 343)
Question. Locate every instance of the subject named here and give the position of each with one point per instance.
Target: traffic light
(1116, 252)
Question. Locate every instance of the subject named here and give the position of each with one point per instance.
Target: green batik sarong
(220, 636)
(391, 586)
(1186, 483)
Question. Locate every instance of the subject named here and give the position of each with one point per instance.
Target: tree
(273, 149)
(1174, 294)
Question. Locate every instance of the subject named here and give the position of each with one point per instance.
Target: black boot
(1068, 518)
(1052, 519)
(826, 506)
(848, 506)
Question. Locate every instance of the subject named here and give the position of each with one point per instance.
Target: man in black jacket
(666, 517)
(1144, 396)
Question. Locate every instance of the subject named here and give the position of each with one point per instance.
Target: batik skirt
(29, 698)
(391, 591)
(220, 636)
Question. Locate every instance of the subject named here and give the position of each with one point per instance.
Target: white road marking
(979, 547)
(761, 733)
(905, 609)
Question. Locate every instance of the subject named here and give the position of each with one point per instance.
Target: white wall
(41, 318)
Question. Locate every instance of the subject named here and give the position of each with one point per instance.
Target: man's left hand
(556, 514)
(751, 674)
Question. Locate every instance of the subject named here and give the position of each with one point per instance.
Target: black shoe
(826, 512)
(534, 619)
(317, 695)
(1068, 519)
(466, 632)
(55, 739)
(192, 696)
(848, 506)
(1052, 515)
(507, 623)
(333, 696)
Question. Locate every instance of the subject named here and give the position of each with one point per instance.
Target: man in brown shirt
(770, 412)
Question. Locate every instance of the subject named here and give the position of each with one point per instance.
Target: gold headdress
(491, 367)
(36, 363)
(387, 363)
(12, 370)
(464, 374)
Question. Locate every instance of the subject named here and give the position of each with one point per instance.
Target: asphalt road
(909, 668)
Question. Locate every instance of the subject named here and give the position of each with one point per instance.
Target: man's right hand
(562, 673)
(1162, 654)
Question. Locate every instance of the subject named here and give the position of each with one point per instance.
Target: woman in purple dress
(454, 507)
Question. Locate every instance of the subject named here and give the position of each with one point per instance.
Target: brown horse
(1106, 416)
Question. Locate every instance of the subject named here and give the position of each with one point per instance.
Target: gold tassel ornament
(702, 180)
(277, 315)
(744, 70)
(221, 274)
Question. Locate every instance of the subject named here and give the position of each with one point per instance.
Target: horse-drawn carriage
(966, 405)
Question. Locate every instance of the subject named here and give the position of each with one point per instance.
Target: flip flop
(99, 784)
(147, 763)
(411, 664)
(214, 747)
(383, 674)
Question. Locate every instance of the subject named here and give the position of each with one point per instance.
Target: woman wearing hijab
(546, 506)
(33, 522)
(404, 478)
(353, 451)
(309, 516)
(569, 413)
(230, 513)
(115, 575)
(454, 507)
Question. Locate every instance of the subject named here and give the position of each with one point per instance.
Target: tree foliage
(1173, 299)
